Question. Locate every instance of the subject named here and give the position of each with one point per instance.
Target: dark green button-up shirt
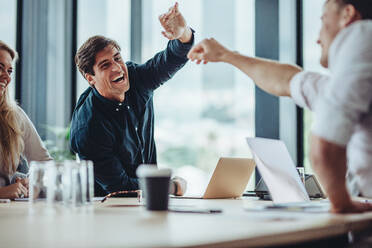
(119, 136)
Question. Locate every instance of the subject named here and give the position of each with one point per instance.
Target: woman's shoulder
(24, 120)
(20, 112)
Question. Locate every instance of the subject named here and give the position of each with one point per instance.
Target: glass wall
(8, 27)
(110, 18)
(205, 111)
(312, 11)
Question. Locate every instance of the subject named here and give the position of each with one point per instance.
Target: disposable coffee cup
(154, 183)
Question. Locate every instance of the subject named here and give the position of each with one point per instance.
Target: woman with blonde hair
(19, 140)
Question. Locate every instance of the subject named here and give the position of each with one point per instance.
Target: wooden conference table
(120, 222)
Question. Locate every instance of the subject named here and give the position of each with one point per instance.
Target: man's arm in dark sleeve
(98, 146)
(164, 64)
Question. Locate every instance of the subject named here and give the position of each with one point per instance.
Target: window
(205, 111)
(8, 23)
(110, 18)
(46, 68)
(312, 11)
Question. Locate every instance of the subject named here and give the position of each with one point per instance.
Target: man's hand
(14, 190)
(353, 207)
(181, 185)
(330, 164)
(175, 26)
(208, 50)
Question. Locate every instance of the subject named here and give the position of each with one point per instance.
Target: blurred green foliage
(58, 147)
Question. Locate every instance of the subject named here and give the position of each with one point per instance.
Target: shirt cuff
(332, 124)
(295, 87)
(181, 49)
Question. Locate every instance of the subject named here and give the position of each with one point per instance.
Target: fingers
(23, 181)
(197, 53)
(366, 206)
(354, 207)
(26, 182)
(22, 190)
(18, 190)
(164, 23)
(167, 35)
(168, 15)
(208, 50)
(181, 185)
(175, 9)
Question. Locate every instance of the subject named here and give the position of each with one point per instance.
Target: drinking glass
(38, 180)
(87, 174)
(55, 186)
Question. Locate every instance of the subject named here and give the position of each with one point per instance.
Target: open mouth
(118, 79)
(2, 85)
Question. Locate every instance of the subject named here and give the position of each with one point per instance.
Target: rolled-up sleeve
(305, 88)
(349, 94)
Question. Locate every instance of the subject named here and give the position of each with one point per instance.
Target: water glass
(79, 185)
(55, 183)
(82, 182)
(38, 180)
(69, 182)
(86, 170)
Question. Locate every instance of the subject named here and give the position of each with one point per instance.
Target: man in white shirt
(342, 133)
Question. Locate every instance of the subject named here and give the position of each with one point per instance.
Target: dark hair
(85, 57)
(4, 46)
(364, 7)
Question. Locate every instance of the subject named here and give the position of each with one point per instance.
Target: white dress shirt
(342, 101)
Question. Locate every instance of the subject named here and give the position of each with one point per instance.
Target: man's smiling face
(110, 74)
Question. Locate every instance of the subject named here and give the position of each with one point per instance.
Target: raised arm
(271, 76)
(166, 63)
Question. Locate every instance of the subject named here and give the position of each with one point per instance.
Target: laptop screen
(277, 170)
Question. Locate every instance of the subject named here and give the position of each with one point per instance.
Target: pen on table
(197, 211)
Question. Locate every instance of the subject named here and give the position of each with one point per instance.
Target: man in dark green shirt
(113, 122)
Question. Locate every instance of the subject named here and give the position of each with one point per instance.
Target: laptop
(229, 179)
(278, 170)
(281, 178)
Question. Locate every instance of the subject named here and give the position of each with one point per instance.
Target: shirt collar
(111, 105)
